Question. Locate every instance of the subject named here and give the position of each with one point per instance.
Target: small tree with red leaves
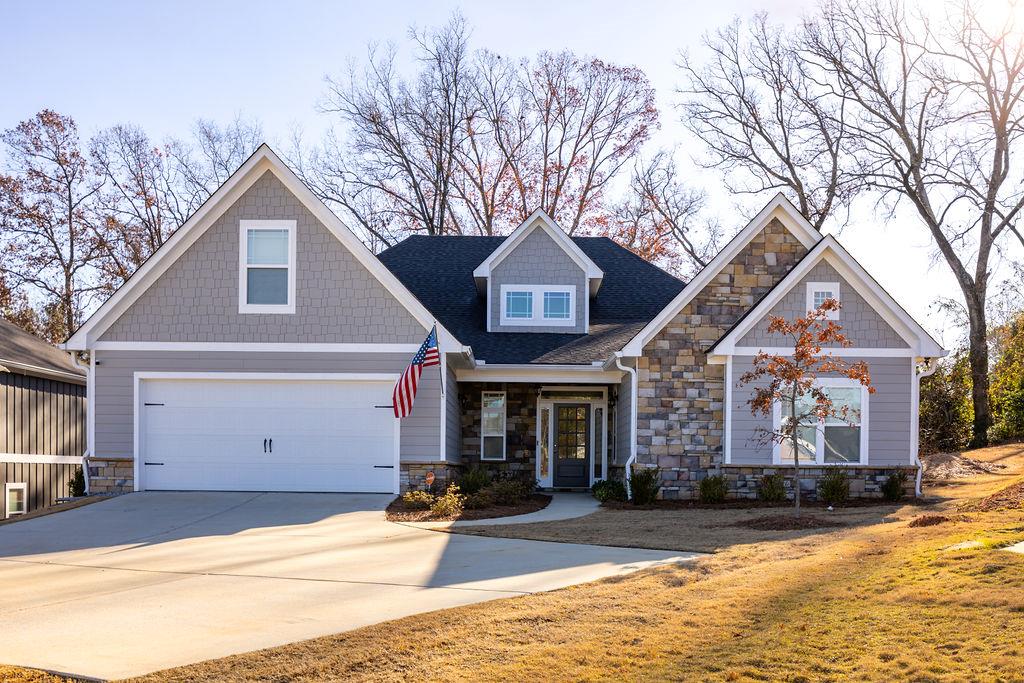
(793, 379)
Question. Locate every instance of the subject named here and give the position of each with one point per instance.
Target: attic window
(538, 305)
(266, 268)
(819, 292)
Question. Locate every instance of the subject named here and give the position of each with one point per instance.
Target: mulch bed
(789, 522)
(398, 512)
(929, 520)
(1010, 498)
(746, 504)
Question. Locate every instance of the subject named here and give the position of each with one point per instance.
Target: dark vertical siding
(40, 416)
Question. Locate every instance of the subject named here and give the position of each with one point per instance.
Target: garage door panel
(273, 435)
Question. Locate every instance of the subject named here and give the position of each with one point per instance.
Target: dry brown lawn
(875, 600)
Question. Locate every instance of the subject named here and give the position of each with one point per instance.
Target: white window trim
(537, 318)
(594, 404)
(243, 266)
(12, 486)
(813, 287)
(504, 421)
(819, 455)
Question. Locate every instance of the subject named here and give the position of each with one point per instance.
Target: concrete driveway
(153, 580)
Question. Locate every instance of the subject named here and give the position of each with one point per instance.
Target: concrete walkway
(562, 506)
(153, 580)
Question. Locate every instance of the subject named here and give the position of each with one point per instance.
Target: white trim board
(25, 458)
(37, 370)
(779, 207)
(262, 160)
(919, 341)
(248, 347)
(571, 374)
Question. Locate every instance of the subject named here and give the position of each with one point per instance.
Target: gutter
(88, 417)
(930, 367)
(49, 373)
(632, 418)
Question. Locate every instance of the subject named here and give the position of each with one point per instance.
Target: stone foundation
(413, 476)
(865, 482)
(111, 475)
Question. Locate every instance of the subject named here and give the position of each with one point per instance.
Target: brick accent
(865, 482)
(413, 476)
(111, 475)
(680, 411)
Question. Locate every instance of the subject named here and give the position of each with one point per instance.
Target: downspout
(632, 419)
(88, 416)
(930, 367)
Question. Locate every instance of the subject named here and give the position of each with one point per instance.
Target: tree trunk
(978, 359)
(796, 469)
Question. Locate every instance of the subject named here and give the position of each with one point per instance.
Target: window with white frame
(266, 277)
(541, 305)
(819, 292)
(15, 499)
(834, 441)
(492, 425)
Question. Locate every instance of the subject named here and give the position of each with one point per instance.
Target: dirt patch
(1010, 498)
(940, 467)
(398, 512)
(929, 520)
(788, 522)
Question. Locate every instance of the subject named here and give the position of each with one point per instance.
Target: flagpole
(441, 365)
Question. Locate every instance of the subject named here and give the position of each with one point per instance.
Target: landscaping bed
(786, 522)
(398, 511)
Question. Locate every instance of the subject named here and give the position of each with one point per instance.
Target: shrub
(478, 500)
(645, 485)
(473, 480)
(892, 489)
(713, 489)
(510, 491)
(418, 500)
(772, 488)
(76, 487)
(834, 487)
(448, 504)
(946, 413)
(609, 490)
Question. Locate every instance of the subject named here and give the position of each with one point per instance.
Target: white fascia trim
(249, 347)
(847, 351)
(539, 219)
(570, 374)
(28, 369)
(778, 207)
(22, 458)
(263, 159)
(919, 341)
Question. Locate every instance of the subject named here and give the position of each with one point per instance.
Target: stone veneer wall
(110, 475)
(413, 476)
(865, 482)
(520, 426)
(680, 411)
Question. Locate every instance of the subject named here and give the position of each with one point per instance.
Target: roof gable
(262, 160)
(779, 207)
(539, 220)
(830, 251)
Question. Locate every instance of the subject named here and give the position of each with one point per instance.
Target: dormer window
(538, 305)
(819, 292)
(266, 267)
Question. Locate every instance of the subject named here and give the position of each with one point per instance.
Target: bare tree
(47, 240)
(935, 107)
(766, 120)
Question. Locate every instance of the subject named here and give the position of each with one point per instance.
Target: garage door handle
(383, 467)
(271, 445)
(264, 445)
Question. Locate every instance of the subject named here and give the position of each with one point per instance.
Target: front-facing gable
(202, 300)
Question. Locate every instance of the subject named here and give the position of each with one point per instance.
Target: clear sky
(163, 64)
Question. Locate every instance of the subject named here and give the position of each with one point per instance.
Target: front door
(572, 445)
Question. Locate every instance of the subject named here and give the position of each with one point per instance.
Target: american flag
(405, 390)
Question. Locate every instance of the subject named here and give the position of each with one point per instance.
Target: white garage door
(267, 435)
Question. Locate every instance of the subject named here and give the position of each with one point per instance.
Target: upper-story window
(538, 305)
(819, 292)
(266, 277)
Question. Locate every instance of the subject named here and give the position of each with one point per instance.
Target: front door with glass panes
(572, 445)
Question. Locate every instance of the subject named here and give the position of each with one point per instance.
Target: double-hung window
(15, 499)
(819, 292)
(839, 440)
(492, 425)
(538, 305)
(266, 278)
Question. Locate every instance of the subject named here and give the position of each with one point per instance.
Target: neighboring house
(42, 421)
(257, 350)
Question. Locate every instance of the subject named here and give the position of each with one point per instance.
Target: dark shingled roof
(19, 348)
(439, 272)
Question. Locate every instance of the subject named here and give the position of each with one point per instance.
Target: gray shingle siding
(889, 414)
(538, 260)
(861, 323)
(337, 299)
(420, 434)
